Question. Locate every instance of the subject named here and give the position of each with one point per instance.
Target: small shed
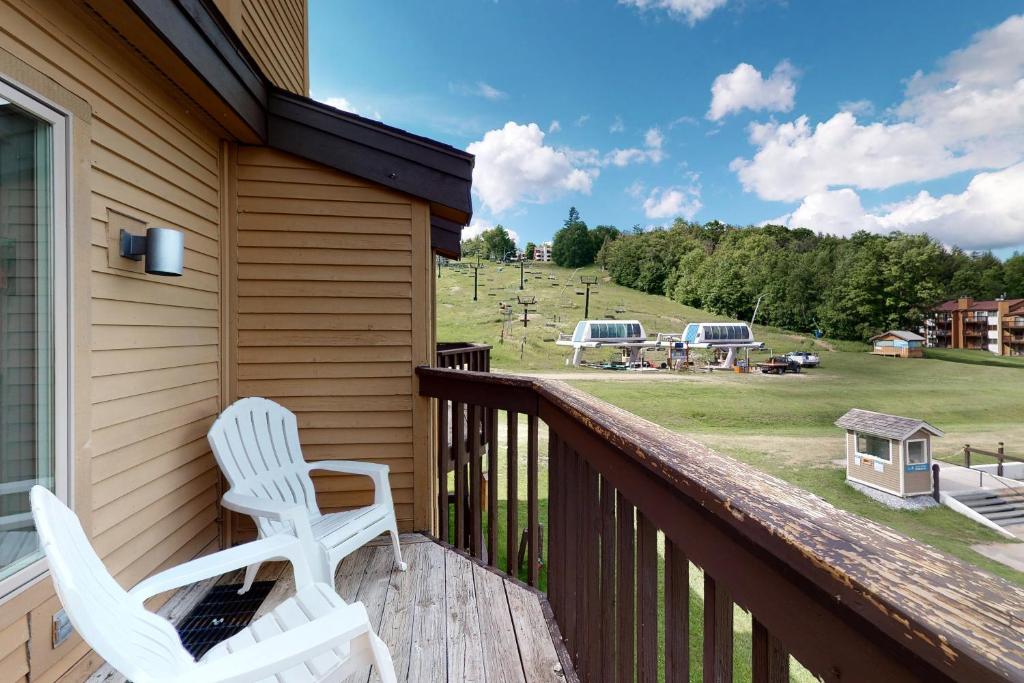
(888, 452)
(898, 343)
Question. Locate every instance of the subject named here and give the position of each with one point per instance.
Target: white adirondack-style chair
(256, 443)
(313, 636)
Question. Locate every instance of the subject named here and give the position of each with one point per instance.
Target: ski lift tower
(476, 275)
(526, 301)
(587, 280)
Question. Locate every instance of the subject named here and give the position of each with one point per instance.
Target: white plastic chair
(256, 443)
(313, 636)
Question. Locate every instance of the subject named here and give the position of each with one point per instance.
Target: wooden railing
(464, 356)
(630, 510)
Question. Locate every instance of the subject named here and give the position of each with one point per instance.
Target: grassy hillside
(559, 307)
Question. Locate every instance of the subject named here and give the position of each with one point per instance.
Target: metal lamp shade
(165, 251)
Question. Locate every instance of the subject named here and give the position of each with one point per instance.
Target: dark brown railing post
(677, 614)
(476, 481)
(444, 450)
(935, 483)
(717, 632)
(532, 502)
(647, 600)
(512, 526)
(1000, 455)
(459, 438)
(967, 455)
(770, 661)
(607, 539)
(624, 578)
(492, 489)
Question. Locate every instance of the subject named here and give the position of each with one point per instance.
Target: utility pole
(522, 264)
(476, 275)
(526, 301)
(587, 280)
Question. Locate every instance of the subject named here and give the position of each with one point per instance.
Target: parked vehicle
(778, 365)
(805, 359)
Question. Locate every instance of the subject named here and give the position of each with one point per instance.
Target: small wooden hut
(898, 343)
(888, 452)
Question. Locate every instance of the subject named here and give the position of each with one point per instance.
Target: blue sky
(829, 115)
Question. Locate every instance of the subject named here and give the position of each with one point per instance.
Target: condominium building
(542, 252)
(994, 325)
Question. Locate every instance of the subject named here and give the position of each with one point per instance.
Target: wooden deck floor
(446, 618)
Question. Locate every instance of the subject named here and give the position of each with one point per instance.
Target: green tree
(572, 246)
(530, 249)
(1013, 275)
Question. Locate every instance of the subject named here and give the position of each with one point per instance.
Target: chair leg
(402, 566)
(382, 659)
(250, 576)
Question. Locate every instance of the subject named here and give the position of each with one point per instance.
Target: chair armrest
(263, 507)
(375, 471)
(286, 650)
(280, 546)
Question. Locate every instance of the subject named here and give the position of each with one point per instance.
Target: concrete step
(972, 496)
(996, 507)
(1008, 514)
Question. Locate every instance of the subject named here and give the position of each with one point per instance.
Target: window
(873, 446)
(33, 322)
(917, 454)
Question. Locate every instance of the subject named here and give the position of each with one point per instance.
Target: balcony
(463, 356)
(619, 519)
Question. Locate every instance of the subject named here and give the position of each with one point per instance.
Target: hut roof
(880, 424)
(905, 335)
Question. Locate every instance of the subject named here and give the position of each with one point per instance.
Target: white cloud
(690, 11)
(582, 120)
(688, 120)
(966, 115)
(617, 125)
(745, 88)
(858, 107)
(344, 104)
(554, 127)
(670, 202)
(478, 89)
(479, 225)
(652, 151)
(989, 213)
(514, 165)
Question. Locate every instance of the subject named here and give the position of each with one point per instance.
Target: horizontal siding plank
(346, 404)
(118, 288)
(323, 305)
(318, 256)
(254, 355)
(106, 312)
(323, 338)
(325, 240)
(266, 287)
(114, 387)
(113, 337)
(323, 370)
(127, 361)
(359, 225)
(280, 189)
(325, 387)
(127, 409)
(251, 169)
(128, 443)
(316, 321)
(303, 272)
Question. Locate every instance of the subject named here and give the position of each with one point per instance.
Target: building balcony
(635, 532)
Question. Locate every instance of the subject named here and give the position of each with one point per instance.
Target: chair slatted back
(136, 642)
(256, 443)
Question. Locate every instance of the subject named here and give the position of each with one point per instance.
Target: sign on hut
(888, 452)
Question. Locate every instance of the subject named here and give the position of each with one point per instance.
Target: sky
(835, 116)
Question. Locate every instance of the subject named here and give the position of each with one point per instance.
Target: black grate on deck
(220, 615)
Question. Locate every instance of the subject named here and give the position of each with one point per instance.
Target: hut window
(917, 454)
(874, 446)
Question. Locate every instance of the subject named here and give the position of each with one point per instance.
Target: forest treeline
(846, 287)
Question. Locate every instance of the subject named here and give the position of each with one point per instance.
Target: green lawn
(976, 358)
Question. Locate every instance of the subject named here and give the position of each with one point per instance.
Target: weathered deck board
(446, 619)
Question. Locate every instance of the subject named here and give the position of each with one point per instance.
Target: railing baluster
(492, 488)
(554, 567)
(717, 632)
(573, 515)
(444, 450)
(770, 660)
(607, 578)
(512, 532)
(458, 418)
(532, 502)
(625, 586)
(591, 559)
(677, 614)
(476, 481)
(647, 600)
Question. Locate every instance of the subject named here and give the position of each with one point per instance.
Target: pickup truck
(804, 358)
(778, 365)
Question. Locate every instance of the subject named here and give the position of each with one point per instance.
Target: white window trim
(869, 455)
(906, 459)
(62, 276)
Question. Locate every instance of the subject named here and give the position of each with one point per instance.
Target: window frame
(924, 451)
(856, 447)
(61, 277)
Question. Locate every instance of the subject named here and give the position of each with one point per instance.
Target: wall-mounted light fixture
(163, 248)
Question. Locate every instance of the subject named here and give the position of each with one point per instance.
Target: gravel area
(894, 502)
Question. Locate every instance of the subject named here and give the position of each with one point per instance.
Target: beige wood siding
(275, 33)
(333, 279)
(889, 476)
(919, 482)
(151, 355)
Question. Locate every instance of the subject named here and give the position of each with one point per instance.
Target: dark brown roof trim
(391, 157)
(203, 40)
(446, 237)
(197, 32)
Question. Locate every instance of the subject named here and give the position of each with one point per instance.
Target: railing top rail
(947, 612)
(445, 348)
